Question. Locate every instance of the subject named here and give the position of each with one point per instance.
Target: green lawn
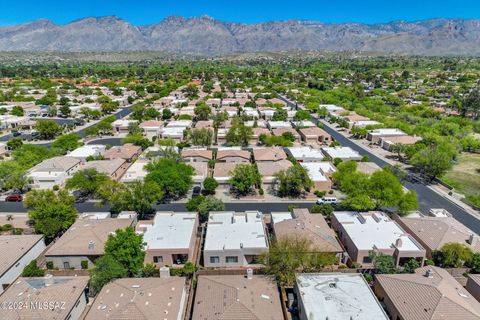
(464, 177)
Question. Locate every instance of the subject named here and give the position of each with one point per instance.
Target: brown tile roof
(127, 151)
(204, 124)
(75, 241)
(15, 247)
(233, 153)
(402, 139)
(151, 123)
(269, 154)
(140, 298)
(105, 166)
(201, 168)
(309, 226)
(313, 132)
(418, 297)
(268, 169)
(367, 167)
(56, 164)
(236, 298)
(280, 131)
(256, 132)
(45, 289)
(202, 153)
(434, 232)
(355, 117)
(224, 169)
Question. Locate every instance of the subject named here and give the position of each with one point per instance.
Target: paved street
(17, 207)
(427, 198)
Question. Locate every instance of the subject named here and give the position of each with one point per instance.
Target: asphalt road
(17, 207)
(427, 198)
(113, 141)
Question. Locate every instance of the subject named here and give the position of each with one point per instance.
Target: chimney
(429, 273)
(473, 239)
(91, 245)
(164, 272)
(399, 243)
(249, 273)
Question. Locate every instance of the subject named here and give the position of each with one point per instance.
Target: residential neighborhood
(287, 187)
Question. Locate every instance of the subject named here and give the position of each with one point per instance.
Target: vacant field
(465, 175)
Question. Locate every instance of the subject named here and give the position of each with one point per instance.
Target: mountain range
(207, 36)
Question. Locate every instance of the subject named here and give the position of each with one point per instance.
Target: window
(232, 259)
(367, 259)
(157, 259)
(66, 265)
(215, 259)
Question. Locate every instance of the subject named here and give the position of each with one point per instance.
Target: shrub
(56, 188)
(319, 193)
(84, 264)
(291, 207)
(261, 192)
(49, 265)
(32, 270)
(324, 209)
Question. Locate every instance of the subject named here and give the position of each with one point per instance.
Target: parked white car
(328, 200)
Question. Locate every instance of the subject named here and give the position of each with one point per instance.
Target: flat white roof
(281, 216)
(331, 107)
(317, 170)
(123, 122)
(341, 152)
(366, 122)
(173, 131)
(369, 230)
(305, 152)
(87, 150)
(338, 297)
(279, 124)
(387, 132)
(180, 123)
(170, 230)
(304, 123)
(235, 230)
(136, 171)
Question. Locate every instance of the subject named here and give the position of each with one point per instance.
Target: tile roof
(75, 241)
(418, 297)
(56, 164)
(140, 299)
(151, 123)
(309, 226)
(267, 169)
(105, 166)
(15, 247)
(202, 153)
(236, 298)
(434, 232)
(224, 169)
(233, 153)
(313, 132)
(280, 131)
(45, 289)
(127, 151)
(269, 154)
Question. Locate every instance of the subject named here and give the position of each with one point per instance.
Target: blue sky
(141, 12)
